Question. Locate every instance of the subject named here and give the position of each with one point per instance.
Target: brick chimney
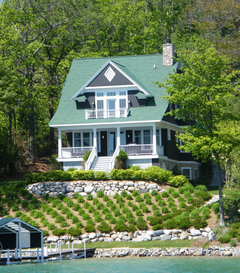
(168, 53)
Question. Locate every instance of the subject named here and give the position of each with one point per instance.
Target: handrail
(115, 154)
(101, 113)
(75, 152)
(91, 158)
(138, 149)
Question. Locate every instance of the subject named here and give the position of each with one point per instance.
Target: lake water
(132, 265)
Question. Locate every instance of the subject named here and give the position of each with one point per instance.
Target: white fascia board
(109, 124)
(73, 159)
(110, 87)
(142, 156)
(172, 125)
(100, 70)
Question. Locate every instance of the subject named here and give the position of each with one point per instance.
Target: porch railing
(116, 152)
(91, 159)
(75, 152)
(95, 114)
(138, 149)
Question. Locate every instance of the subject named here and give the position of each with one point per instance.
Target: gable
(110, 76)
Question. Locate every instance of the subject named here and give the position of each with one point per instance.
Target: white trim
(142, 156)
(104, 123)
(190, 171)
(110, 87)
(70, 159)
(100, 70)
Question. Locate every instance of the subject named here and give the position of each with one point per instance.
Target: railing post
(38, 255)
(154, 139)
(8, 257)
(59, 143)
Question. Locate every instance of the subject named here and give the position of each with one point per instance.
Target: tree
(201, 92)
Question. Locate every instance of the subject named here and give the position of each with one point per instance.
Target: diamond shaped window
(109, 74)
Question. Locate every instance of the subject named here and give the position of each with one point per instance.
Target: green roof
(4, 221)
(145, 70)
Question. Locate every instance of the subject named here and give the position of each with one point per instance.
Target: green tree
(201, 92)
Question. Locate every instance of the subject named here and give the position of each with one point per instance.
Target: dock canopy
(15, 233)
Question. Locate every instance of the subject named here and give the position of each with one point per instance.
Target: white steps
(102, 164)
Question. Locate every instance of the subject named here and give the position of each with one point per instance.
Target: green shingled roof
(145, 70)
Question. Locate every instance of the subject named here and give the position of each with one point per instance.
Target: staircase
(102, 164)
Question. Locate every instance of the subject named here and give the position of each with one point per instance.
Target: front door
(129, 136)
(103, 141)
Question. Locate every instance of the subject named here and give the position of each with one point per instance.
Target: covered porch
(135, 141)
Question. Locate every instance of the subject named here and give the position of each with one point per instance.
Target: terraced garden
(174, 208)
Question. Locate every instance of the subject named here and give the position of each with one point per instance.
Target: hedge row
(152, 173)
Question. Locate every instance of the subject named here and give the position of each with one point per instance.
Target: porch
(137, 142)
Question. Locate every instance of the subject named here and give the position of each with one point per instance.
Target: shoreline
(213, 251)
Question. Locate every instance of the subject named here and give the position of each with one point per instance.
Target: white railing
(95, 114)
(116, 152)
(73, 152)
(91, 159)
(138, 149)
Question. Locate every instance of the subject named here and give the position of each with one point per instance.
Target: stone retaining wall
(84, 188)
(137, 236)
(158, 252)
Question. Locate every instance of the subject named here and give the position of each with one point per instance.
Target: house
(112, 104)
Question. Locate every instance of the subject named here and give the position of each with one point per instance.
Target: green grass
(145, 244)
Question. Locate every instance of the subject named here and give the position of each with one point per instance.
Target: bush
(74, 231)
(141, 224)
(120, 227)
(233, 243)
(100, 194)
(155, 173)
(170, 224)
(101, 175)
(89, 228)
(59, 232)
(226, 238)
(86, 156)
(121, 160)
(215, 207)
(178, 180)
(104, 227)
(155, 220)
(199, 223)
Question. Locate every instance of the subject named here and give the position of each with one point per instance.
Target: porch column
(118, 137)
(154, 134)
(59, 143)
(94, 137)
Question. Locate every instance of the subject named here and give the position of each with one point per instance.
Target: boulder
(52, 239)
(184, 235)
(78, 189)
(129, 183)
(195, 232)
(157, 233)
(164, 237)
(69, 188)
(92, 235)
(89, 189)
(108, 239)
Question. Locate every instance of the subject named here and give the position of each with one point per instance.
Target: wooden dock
(53, 256)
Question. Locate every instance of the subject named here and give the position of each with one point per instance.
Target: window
(99, 94)
(146, 137)
(186, 171)
(137, 136)
(122, 93)
(77, 139)
(100, 107)
(196, 176)
(122, 103)
(111, 94)
(86, 139)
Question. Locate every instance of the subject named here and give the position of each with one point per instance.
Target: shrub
(121, 160)
(138, 213)
(59, 232)
(74, 231)
(161, 203)
(89, 228)
(199, 223)
(164, 210)
(113, 220)
(129, 197)
(100, 194)
(141, 224)
(226, 238)
(80, 199)
(104, 227)
(178, 180)
(233, 243)
(154, 193)
(120, 227)
(215, 207)
(59, 219)
(171, 224)
(101, 175)
(156, 213)
(155, 173)
(138, 199)
(89, 197)
(183, 221)
(79, 225)
(64, 224)
(155, 220)
(165, 194)
(132, 228)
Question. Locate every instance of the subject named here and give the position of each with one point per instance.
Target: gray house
(112, 104)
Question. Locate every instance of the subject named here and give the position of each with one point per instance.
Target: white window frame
(190, 171)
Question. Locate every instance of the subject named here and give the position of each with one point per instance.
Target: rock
(129, 183)
(207, 229)
(92, 235)
(150, 232)
(83, 194)
(156, 238)
(131, 188)
(211, 236)
(52, 239)
(184, 235)
(227, 253)
(78, 189)
(151, 186)
(165, 237)
(84, 236)
(126, 238)
(195, 232)
(69, 188)
(89, 189)
(157, 233)
(108, 239)
(167, 231)
(114, 236)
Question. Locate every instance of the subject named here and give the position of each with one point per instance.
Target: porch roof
(146, 70)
